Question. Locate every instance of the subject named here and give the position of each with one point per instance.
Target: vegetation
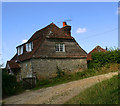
(9, 85)
(63, 77)
(95, 67)
(101, 59)
(105, 92)
(102, 63)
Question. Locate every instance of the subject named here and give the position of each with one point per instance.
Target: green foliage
(69, 77)
(42, 82)
(59, 72)
(105, 92)
(86, 73)
(9, 84)
(102, 58)
(95, 66)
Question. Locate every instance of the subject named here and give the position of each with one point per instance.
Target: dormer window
(60, 47)
(29, 47)
(20, 50)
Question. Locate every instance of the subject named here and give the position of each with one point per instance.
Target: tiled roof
(50, 32)
(13, 65)
(57, 32)
(96, 49)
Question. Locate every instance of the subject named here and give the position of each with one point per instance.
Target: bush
(100, 59)
(9, 84)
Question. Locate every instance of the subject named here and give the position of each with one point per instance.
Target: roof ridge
(39, 37)
(96, 48)
(43, 29)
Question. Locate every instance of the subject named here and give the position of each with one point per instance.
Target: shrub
(100, 59)
(59, 72)
(9, 84)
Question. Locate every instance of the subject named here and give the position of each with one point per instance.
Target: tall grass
(105, 92)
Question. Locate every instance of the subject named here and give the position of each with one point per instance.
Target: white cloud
(81, 30)
(24, 41)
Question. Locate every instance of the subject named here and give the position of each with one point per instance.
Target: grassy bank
(11, 87)
(65, 77)
(105, 92)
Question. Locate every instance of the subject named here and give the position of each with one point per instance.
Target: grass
(105, 92)
(64, 78)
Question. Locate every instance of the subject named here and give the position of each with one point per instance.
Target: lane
(57, 94)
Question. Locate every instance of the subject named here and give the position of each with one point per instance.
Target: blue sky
(93, 23)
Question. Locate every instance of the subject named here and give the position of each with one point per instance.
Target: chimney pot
(64, 24)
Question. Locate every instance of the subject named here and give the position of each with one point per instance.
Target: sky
(93, 23)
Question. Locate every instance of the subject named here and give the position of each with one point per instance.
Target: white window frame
(29, 47)
(20, 50)
(60, 47)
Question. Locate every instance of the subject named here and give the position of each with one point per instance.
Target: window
(98, 50)
(29, 47)
(20, 50)
(60, 47)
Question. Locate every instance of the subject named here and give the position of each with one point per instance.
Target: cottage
(96, 49)
(48, 50)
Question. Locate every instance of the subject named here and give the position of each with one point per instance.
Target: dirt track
(57, 94)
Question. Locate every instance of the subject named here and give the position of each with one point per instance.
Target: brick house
(47, 50)
(96, 49)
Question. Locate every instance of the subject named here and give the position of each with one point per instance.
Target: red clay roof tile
(51, 32)
(96, 49)
(13, 64)
(39, 36)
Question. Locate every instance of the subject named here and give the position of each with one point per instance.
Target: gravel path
(57, 94)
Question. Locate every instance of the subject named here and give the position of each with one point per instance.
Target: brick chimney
(66, 28)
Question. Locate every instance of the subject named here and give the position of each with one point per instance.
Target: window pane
(57, 47)
(21, 50)
(61, 47)
(26, 47)
(18, 50)
(30, 46)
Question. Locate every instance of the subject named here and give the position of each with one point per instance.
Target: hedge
(99, 59)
